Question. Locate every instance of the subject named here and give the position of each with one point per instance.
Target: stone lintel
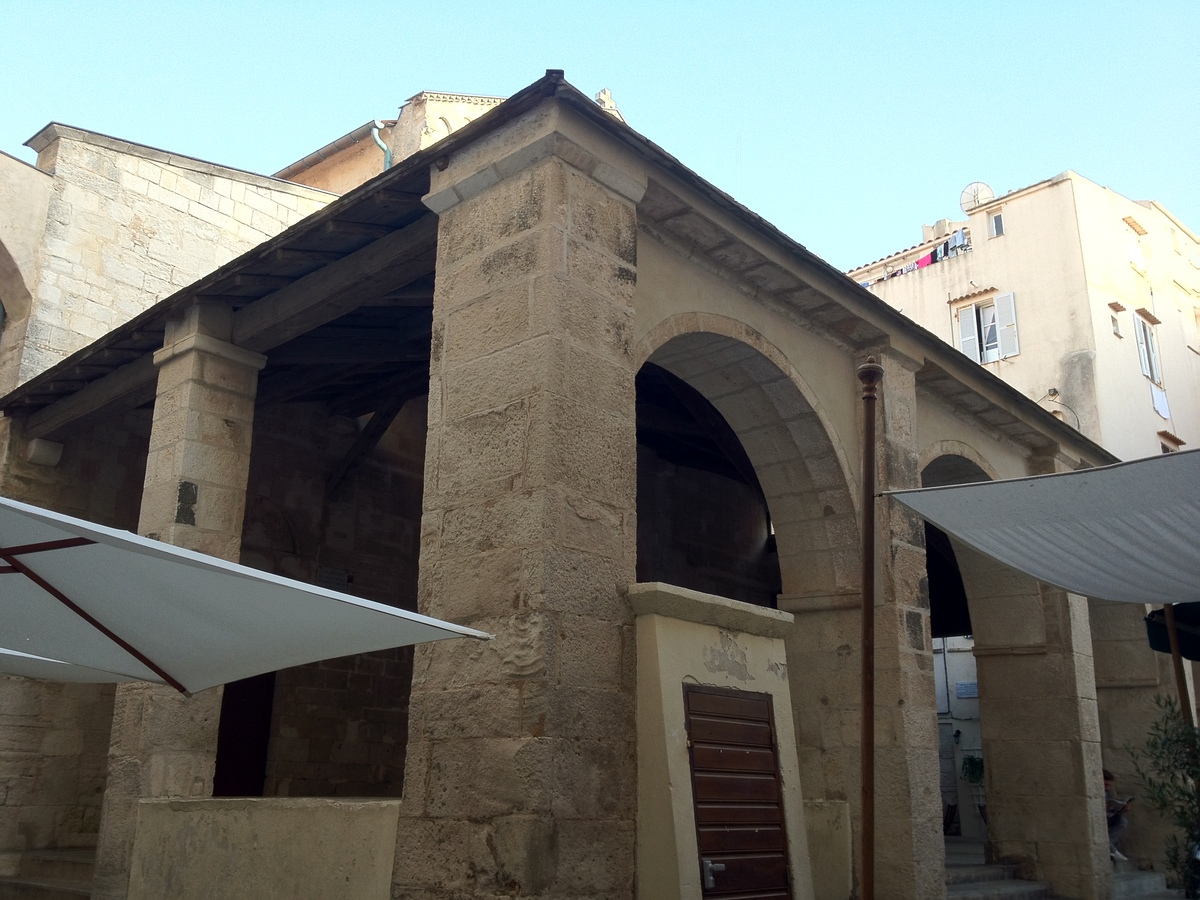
(556, 135)
(658, 598)
(215, 346)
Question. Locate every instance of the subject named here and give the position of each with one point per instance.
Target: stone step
(1008, 889)
(59, 865)
(22, 888)
(1128, 885)
(980, 872)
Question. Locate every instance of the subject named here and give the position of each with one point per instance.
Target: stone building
(539, 378)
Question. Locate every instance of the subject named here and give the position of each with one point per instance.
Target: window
(1170, 443)
(987, 330)
(995, 224)
(1116, 326)
(1147, 349)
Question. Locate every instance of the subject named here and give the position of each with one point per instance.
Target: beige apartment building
(539, 378)
(1085, 301)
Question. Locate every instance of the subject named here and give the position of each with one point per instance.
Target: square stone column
(520, 774)
(1128, 677)
(164, 744)
(1041, 734)
(910, 851)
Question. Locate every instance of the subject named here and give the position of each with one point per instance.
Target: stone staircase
(968, 878)
(51, 875)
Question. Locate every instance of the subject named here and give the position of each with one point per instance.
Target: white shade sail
(1127, 532)
(79, 601)
(29, 666)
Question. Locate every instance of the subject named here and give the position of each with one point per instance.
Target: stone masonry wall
(521, 765)
(129, 225)
(340, 726)
(54, 737)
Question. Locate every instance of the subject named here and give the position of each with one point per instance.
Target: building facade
(539, 378)
(1085, 301)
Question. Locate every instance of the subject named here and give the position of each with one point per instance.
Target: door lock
(707, 868)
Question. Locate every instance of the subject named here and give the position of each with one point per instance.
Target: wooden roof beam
(125, 388)
(337, 288)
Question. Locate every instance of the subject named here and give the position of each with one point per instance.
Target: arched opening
(789, 448)
(960, 742)
(805, 495)
(703, 521)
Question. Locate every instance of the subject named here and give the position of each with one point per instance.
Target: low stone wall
(303, 849)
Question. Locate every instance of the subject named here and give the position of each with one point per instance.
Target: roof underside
(341, 303)
(364, 323)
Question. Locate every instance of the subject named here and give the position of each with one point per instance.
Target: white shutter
(968, 332)
(1152, 353)
(1139, 330)
(1006, 325)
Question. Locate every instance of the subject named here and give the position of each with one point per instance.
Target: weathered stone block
(541, 251)
(594, 780)
(525, 849)
(586, 316)
(490, 323)
(595, 858)
(514, 205)
(590, 652)
(524, 647)
(602, 219)
(497, 777)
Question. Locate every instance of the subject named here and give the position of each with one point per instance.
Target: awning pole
(1185, 700)
(870, 374)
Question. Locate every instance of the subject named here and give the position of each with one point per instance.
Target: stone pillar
(164, 744)
(1041, 735)
(825, 663)
(910, 851)
(521, 768)
(1129, 675)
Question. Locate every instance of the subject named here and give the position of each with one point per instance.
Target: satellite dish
(975, 194)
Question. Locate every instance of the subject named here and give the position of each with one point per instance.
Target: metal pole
(1185, 700)
(870, 374)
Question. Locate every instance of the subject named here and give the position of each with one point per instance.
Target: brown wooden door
(737, 795)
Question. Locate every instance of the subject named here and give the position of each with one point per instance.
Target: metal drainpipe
(387, 151)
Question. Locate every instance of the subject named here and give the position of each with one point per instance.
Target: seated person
(1114, 810)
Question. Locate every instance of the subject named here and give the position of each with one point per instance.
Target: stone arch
(14, 295)
(949, 449)
(15, 305)
(800, 462)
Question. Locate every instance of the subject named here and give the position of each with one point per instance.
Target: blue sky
(846, 124)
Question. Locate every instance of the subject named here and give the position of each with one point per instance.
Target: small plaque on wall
(337, 579)
(966, 690)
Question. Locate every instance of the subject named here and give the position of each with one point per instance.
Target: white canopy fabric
(29, 666)
(82, 602)
(1127, 532)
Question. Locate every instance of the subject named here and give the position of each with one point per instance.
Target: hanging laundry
(924, 260)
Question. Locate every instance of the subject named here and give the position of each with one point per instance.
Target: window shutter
(1006, 325)
(968, 332)
(1139, 329)
(1152, 355)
